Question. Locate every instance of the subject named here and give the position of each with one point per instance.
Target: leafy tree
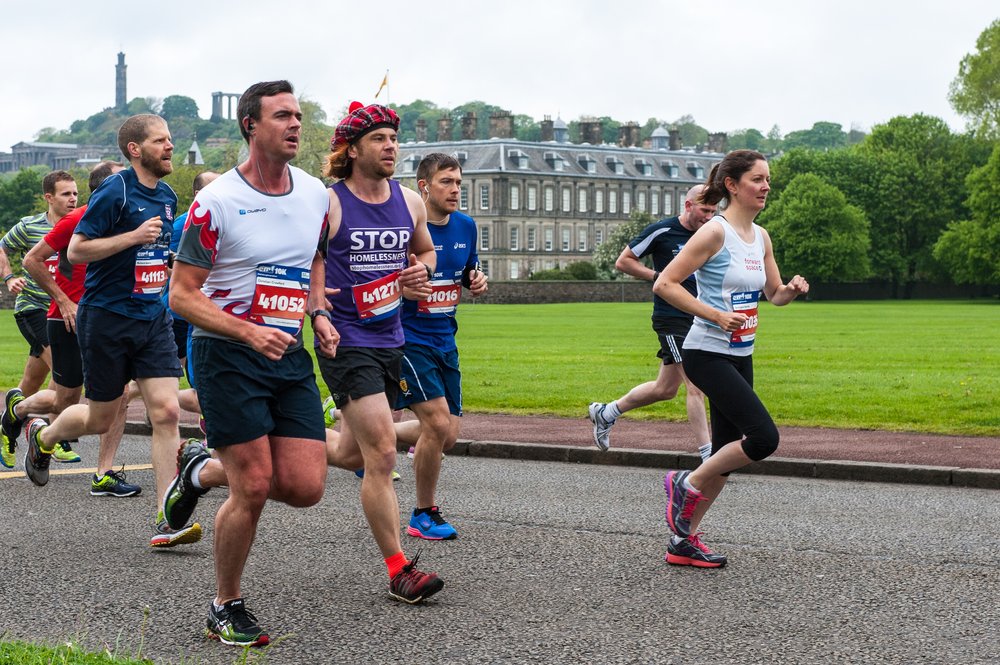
(746, 139)
(582, 270)
(314, 140)
(550, 275)
(607, 252)
(691, 132)
(822, 136)
(817, 233)
(179, 106)
(526, 129)
(975, 92)
(970, 249)
(21, 195)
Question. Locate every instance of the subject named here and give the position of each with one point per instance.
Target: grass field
(928, 366)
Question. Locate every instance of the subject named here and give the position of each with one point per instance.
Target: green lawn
(929, 366)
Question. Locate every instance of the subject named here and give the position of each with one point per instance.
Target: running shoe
(202, 426)
(113, 483)
(36, 460)
(691, 551)
(182, 496)
(234, 624)
(63, 452)
(681, 502)
(10, 424)
(412, 586)
(429, 525)
(329, 409)
(7, 451)
(164, 536)
(360, 473)
(602, 427)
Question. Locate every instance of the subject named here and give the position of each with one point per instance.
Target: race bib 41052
(279, 297)
(745, 302)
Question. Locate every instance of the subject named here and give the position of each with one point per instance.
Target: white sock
(705, 450)
(196, 471)
(687, 484)
(611, 411)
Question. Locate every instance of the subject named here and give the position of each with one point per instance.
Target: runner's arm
(85, 250)
(630, 264)
(34, 265)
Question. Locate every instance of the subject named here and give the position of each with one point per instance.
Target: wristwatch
(320, 312)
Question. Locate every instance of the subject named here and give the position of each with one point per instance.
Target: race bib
(279, 297)
(745, 302)
(52, 264)
(150, 273)
(378, 299)
(443, 300)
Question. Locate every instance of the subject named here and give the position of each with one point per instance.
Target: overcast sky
(728, 63)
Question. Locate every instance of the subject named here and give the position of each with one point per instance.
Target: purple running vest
(372, 243)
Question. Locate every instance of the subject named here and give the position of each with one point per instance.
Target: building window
(484, 197)
(515, 197)
(581, 240)
(463, 201)
(515, 270)
(484, 238)
(531, 239)
(549, 199)
(599, 201)
(640, 200)
(532, 197)
(565, 240)
(668, 203)
(613, 201)
(582, 200)
(567, 199)
(654, 203)
(515, 238)
(598, 236)
(626, 202)
(549, 234)
(485, 265)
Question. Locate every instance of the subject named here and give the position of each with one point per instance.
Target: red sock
(395, 563)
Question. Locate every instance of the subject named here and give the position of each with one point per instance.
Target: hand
(413, 276)
(149, 231)
(417, 292)
(798, 284)
(15, 285)
(477, 283)
(68, 311)
(270, 342)
(327, 336)
(730, 321)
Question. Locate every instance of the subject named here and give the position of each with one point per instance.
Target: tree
(582, 270)
(21, 195)
(970, 249)
(314, 139)
(817, 233)
(607, 252)
(822, 136)
(746, 139)
(975, 92)
(179, 106)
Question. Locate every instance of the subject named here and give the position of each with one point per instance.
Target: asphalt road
(555, 563)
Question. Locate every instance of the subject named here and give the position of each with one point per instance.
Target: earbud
(426, 192)
(250, 126)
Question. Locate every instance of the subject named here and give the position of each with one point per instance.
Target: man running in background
(663, 240)
(431, 382)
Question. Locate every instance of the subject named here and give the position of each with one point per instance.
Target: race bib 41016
(443, 300)
(279, 297)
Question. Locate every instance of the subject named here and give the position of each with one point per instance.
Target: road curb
(880, 472)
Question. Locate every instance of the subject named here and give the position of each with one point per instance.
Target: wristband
(656, 275)
(320, 312)
(8, 278)
(430, 272)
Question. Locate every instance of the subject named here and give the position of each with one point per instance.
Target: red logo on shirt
(208, 238)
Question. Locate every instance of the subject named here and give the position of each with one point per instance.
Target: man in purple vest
(377, 246)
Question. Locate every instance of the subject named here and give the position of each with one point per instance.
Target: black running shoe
(36, 461)
(182, 496)
(9, 422)
(234, 624)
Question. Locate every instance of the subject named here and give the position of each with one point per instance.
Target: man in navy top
(123, 329)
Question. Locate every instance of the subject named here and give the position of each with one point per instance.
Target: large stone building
(541, 205)
(53, 155)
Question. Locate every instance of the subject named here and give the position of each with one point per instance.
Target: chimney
(623, 138)
(547, 132)
(444, 128)
(421, 130)
(591, 131)
(717, 142)
(469, 126)
(628, 134)
(502, 125)
(675, 138)
(634, 133)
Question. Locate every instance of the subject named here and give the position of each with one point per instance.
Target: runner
(375, 226)
(65, 284)
(242, 278)
(431, 382)
(734, 263)
(123, 330)
(663, 239)
(30, 308)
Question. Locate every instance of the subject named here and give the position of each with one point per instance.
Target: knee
(255, 489)
(762, 442)
(381, 462)
(165, 415)
(302, 495)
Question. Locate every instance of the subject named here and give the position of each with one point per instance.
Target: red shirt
(69, 277)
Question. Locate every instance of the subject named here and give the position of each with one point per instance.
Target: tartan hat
(362, 119)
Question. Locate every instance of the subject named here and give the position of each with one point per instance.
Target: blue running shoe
(429, 525)
(681, 502)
